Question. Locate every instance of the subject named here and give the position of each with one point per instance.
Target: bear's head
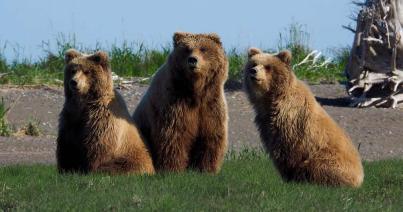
(198, 58)
(87, 76)
(267, 73)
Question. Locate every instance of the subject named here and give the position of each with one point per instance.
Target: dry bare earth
(378, 132)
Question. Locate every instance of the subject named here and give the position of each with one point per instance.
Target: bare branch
(349, 28)
(371, 39)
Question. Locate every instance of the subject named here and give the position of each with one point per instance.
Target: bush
(136, 60)
(4, 128)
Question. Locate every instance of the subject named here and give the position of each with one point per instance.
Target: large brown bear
(183, 115)
(96, 132)
(303, 141)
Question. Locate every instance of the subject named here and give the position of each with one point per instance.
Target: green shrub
(137, 60)
(4, 128)
(236, 63)
(32, 128)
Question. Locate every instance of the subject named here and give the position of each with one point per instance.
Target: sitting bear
(303, 141)
(183, 115)
(96, 132)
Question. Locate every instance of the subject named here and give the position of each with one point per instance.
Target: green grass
(246, 182)
(311, 65)
(333, 72)
(32, 128)
(130, 59)
(4, 128)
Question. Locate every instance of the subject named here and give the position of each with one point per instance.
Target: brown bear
(303, 141)
(96, 132)
(183, 115)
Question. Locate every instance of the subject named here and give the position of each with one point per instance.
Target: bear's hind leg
(124, 165)
(333, 174)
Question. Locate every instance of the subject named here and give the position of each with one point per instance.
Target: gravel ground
(377, 132)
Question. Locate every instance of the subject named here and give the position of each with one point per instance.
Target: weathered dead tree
(375, 66)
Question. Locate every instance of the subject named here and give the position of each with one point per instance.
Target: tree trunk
(375, 66)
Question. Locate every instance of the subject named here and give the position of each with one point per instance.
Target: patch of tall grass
(4, 128)
(309, 64)
(130, 59)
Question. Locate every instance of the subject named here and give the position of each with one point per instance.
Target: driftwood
(127, 83)
(375, 65)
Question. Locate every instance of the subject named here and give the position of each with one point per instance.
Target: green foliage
(296, 39)
(308, 64)
(127, 60)
(4, 128)
(248, 181)
(32, 128)
(236, 64)
(341, 55)
(136, 60)
(3, 64)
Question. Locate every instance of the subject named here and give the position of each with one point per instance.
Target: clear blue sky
(239, 23)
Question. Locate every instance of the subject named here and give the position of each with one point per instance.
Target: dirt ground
(377, 132)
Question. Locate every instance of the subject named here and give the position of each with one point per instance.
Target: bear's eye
(252, 65)
(268, 67)
(86, 71)
(203, 49)
(184, 49)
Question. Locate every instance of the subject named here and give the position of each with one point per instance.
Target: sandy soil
(377, 132)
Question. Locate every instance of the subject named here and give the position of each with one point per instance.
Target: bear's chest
(179, 117)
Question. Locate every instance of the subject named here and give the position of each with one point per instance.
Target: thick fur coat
(96, 132)
(303, 141)
(183, 115)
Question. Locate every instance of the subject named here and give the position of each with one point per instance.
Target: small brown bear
(183, 115)
(303, 141)
(96, 132)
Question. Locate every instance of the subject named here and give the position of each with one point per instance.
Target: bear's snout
(192, 62)
(73, 84)
(252, 71)
(253, 74)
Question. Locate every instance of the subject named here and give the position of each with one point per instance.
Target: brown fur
(96, 132)
(183, 115)
(303, 141)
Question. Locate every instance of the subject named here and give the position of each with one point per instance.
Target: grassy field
(247, 182)
(131, 59)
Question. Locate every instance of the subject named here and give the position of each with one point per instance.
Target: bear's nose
(252, 71)
(192, 61)
(73, 84)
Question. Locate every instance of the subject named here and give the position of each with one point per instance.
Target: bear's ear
(178, 37)
(100, 58)
(285, 56)
(214, 37)
(70, 54)
(253, 51)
